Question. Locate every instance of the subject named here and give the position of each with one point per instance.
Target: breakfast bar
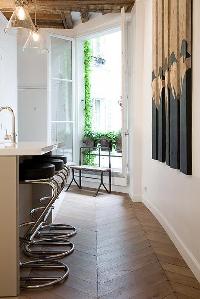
(10, 198)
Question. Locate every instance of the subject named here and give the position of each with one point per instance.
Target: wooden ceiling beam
(64, 3)
(56, 6)
(67, 20)
(76, 9)
(51, 25)
(85, 16)
(40, 16)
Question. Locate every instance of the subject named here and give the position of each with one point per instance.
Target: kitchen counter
(11, 197)
(25, 148)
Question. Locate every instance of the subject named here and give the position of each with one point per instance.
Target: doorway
(102, 95)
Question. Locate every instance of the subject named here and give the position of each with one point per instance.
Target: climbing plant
(87, 75)
(87, 158)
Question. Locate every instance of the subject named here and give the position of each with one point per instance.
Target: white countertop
(26, 148)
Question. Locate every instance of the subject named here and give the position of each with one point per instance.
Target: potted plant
(108, 140)
(88, 139)
(105, 142)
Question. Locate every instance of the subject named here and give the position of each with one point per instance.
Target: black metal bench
(88, 168)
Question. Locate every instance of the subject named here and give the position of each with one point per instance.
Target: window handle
(126, 133)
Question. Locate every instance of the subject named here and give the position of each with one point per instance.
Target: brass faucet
(9, 109)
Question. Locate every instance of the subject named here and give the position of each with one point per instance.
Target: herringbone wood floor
(121, 252)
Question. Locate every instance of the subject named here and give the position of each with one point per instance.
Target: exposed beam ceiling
(57, 13)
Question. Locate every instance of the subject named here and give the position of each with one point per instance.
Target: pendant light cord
(36, 13)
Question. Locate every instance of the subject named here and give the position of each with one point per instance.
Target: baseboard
(189, 258)
(136, 198)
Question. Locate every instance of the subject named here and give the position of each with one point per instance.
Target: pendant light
(20, 17)
(35, 39)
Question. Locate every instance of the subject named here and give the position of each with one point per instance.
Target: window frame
(124, 81)
(50, 78)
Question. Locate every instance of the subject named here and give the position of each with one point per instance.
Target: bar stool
(50, 158)
(58, 229)
(41, 173)
(33, 173)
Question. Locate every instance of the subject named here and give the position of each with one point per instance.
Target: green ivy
(87, 78)
(88, 159)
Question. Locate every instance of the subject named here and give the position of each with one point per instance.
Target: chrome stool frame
(31, 240)
(58, 230)
(48, 261)
(42, 282)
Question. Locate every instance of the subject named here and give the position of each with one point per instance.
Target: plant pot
(88, 142)
(119, 145)
(105, 143)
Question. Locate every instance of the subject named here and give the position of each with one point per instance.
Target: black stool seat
(36, 171)
(58, 163)
(48, 158)
(49, 154)
(60, 157)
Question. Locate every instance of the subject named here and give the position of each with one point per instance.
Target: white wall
(173, 197)
(8, 74)
(135, 106)
(32, 92)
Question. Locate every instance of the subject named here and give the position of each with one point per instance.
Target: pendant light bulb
(35, 36)
(20, 12)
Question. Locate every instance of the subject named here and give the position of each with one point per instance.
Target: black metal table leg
(109, 176)
(80, 184)
(101, 184)
(73, 180)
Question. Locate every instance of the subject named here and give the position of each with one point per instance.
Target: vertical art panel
(166, 75)
(172, 83)
(161, 86)
(155, 83)
(185, 46)
(174, 117)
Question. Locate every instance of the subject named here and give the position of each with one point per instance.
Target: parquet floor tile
(121, 252)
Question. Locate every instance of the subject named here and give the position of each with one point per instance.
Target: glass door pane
(61, 105)
(61, 58)
(62, 134)
(62, 120)
(125, 88)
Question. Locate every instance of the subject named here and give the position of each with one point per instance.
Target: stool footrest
(59, 230)
(29, 282)
(43, 250)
